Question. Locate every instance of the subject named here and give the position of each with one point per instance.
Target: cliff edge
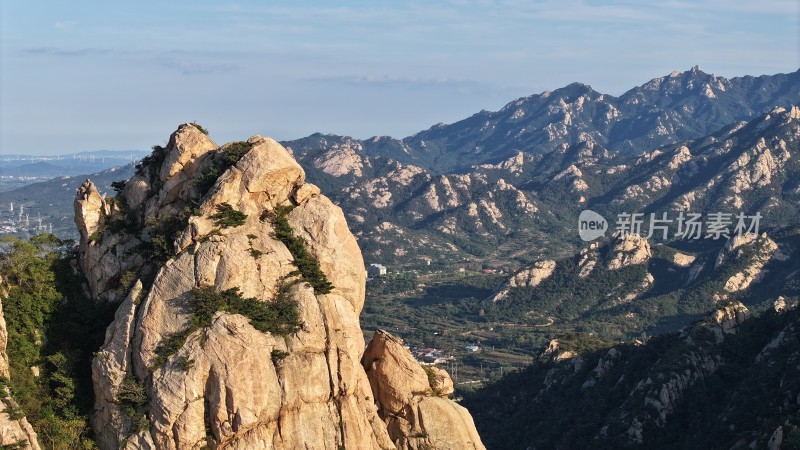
(240, 287)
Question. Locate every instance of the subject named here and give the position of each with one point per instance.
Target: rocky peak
(628, 250)
(530, 276)
(756, 251)
(232, 228)
(341, 160)
(513, 164)
(726, 319)
(412, 399)
(162, 191)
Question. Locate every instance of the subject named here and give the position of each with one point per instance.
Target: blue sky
(92, 75)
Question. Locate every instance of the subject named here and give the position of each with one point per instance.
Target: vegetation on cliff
(307, 265)
(279, 316)
(53, 329)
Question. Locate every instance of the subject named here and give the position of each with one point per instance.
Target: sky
(90, 75)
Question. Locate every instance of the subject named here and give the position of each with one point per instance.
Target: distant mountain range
(526, 207)
(506, 187)
(672, 108)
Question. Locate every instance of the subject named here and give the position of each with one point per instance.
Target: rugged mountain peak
(412, 399)
(727, 319)
(755, 252)
(628, 250)
(239, 328)
(90, 209)
(514, 164)
(186, 145)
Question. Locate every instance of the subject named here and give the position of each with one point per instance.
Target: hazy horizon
(91, 76)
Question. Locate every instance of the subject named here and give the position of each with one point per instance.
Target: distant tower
(12, 208)
(27, 221)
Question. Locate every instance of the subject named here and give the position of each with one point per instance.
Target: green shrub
(123, 220)
(46, 241)
(227, 217)
(306, 263)
(163, 233)
(432, 381)
(221, 161)
(280, 316)
(96, 235)
(150, 165)
(169, 346)
(185, 363)
(208, 176)
(233, 152)
(131, 393)
(126, 281)
(278, 355)
(199, 127)
(14, 412)
(132, 397)
(255, 253)
(51, 325)
(21, 444)
(140, 422)
(118, 186)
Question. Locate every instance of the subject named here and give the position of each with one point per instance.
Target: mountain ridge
(675, 107)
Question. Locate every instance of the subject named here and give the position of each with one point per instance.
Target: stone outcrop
(341, 160)
(227, 384)
(90, 215)
(726, 320)
(683, 260)
(412, 400)
(529, 277)
(628, 250)
(757, 251)
(587, 259)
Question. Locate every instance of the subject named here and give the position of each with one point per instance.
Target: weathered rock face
(413, 401)
(12, 430)
(90, 215)
(756, 250)
(229, 385)
(629, 250)
(534, 275)
(726, 320)
(529, 277)
(683, 260)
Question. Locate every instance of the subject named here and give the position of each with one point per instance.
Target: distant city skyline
(92, 75)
